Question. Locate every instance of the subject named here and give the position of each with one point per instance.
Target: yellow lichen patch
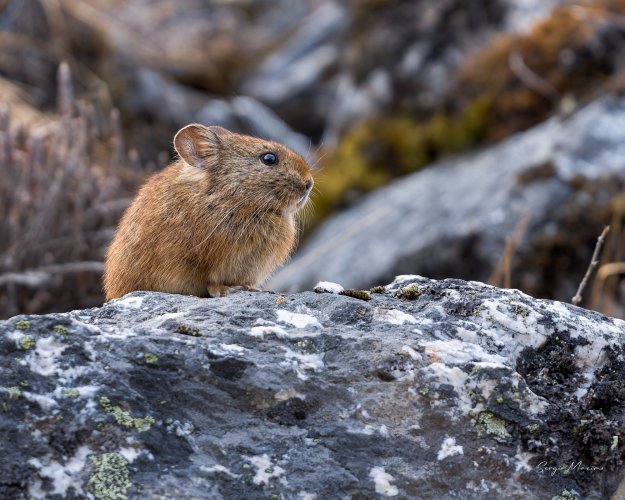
(111, 477)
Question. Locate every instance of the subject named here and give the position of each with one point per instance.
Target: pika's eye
(269, 158)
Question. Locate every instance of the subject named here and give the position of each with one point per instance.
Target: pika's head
(246, 169)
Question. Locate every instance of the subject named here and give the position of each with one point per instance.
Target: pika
(221, 216)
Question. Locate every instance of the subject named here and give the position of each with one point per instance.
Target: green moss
(356, 294)
(125, 419)
(14, 392)
(22, 324)
(150, 358)
(376, 150)
(27, 342)
(488, 423)
(73, 393)
(378, 289)
(111, 479)
(188, 330)
(169, 421)
(61, 330)
(410, 293)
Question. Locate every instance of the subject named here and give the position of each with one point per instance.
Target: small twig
(594, 262)
(531, 79)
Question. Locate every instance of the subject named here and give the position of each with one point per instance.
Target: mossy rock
(375, 151)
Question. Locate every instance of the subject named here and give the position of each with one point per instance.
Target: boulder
(419, 389)
(555, 182)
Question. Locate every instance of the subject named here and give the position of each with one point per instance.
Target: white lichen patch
(130, 453)
(412, 353)
(182, 429)
(449, 448)
(43, 358)
(265, 470)
(129, 302)
(577, 324)
(393, 316)
(382, 481)
(304, 495)
(298, 320)
(523, 461)
(232, 348)
(262, 330)
(62, 476)
(593, 354)
(328, 287)
(44, 401)
(367, 430)
(456, 352)
(286, 394)
(454, 376)
(303, 362)
(161, 319)
(466, 335)
(517, 319)
(217, 468)
(467, 388)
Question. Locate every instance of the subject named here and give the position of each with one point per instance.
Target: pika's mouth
(304, 198)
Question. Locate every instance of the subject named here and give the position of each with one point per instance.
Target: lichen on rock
(484, 391)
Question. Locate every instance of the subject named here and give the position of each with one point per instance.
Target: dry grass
(608, 287)
(60, 198)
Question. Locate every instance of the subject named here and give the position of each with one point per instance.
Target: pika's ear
(197, 144)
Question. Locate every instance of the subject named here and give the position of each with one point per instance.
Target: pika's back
(219, 217)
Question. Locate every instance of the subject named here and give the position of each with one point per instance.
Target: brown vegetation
(61, 194)
(562, 60)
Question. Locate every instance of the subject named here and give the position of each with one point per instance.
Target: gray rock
(249, 116)
(451, 219)
(176, 105)
(430, 389)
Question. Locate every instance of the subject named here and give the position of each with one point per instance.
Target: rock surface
(429, 389)
(452, 218)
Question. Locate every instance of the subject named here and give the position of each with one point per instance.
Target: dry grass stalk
(594, 262)
(503, 270)
(59, 208)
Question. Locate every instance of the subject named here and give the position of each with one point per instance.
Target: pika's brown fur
(217, 218)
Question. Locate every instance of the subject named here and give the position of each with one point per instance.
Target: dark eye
(269, 158)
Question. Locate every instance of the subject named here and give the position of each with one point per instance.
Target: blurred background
(477, 139)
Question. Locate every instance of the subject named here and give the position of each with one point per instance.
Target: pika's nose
(309, 184)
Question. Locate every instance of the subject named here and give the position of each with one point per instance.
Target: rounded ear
(199, 145)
